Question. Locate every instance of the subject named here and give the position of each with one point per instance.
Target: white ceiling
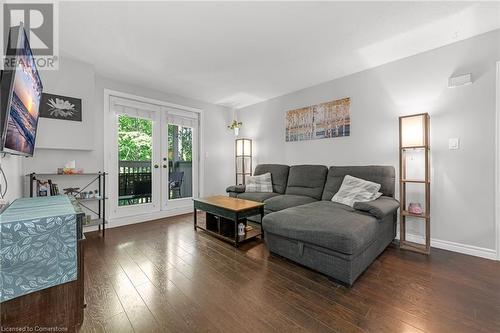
(240, 53)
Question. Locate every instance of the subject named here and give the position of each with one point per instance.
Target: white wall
(462, 188)
(60, 141)
(74, 79)
(12, 166)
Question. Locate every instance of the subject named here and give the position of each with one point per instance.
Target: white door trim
(108, 138)
(497, 164)
(108, 92)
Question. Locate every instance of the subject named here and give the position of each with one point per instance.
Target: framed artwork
(326, 120)
(61, 107)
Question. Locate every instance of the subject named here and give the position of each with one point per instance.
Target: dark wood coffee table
(224, 214)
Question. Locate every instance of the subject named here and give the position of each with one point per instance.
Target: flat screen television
(20, 96)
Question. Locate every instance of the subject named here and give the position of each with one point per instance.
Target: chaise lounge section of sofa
(305, 226)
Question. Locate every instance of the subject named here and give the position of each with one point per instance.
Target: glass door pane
(180, 161)
(135, 142)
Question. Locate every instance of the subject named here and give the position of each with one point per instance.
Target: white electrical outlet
(454, 143)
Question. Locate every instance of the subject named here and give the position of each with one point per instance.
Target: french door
(179, 160)
(153, 160)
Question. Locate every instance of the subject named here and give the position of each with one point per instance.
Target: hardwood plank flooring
(162, 276)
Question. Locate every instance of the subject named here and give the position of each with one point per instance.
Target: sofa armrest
(236, 189)
(379, 208)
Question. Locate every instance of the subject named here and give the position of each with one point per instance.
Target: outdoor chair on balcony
(175, 183)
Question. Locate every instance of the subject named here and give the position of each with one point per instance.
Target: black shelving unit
(100, 178)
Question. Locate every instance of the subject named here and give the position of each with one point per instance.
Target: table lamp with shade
(414, 133)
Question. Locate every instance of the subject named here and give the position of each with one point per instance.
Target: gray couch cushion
(236, 189)
(308, 180)
(279, 175)
(383, 175)
(257, 196)
(324, 223)
(286, 201)
(379, 208)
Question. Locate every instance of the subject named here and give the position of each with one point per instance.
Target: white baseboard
(455, 247)
(122, 221)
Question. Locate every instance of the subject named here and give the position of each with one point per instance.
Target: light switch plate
(454, 143)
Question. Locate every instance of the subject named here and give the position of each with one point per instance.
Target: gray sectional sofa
(301, 222)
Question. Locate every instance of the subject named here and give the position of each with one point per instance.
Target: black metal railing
(134, 182)
(135, 185)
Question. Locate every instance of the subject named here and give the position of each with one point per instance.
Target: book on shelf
(42, 188)
(54, 189)
(45, 188)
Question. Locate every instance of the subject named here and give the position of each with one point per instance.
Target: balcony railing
(134, 182)
(135, 186)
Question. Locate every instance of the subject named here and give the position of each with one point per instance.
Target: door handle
(156, 166)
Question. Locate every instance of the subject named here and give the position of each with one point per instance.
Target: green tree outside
(135, 138)
(185, 142)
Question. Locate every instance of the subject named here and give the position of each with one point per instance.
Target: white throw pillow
(260, 183)
(355, 190)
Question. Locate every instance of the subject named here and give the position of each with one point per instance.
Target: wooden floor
(161, 276)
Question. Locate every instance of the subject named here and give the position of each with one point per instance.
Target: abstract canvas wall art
(326, 120)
